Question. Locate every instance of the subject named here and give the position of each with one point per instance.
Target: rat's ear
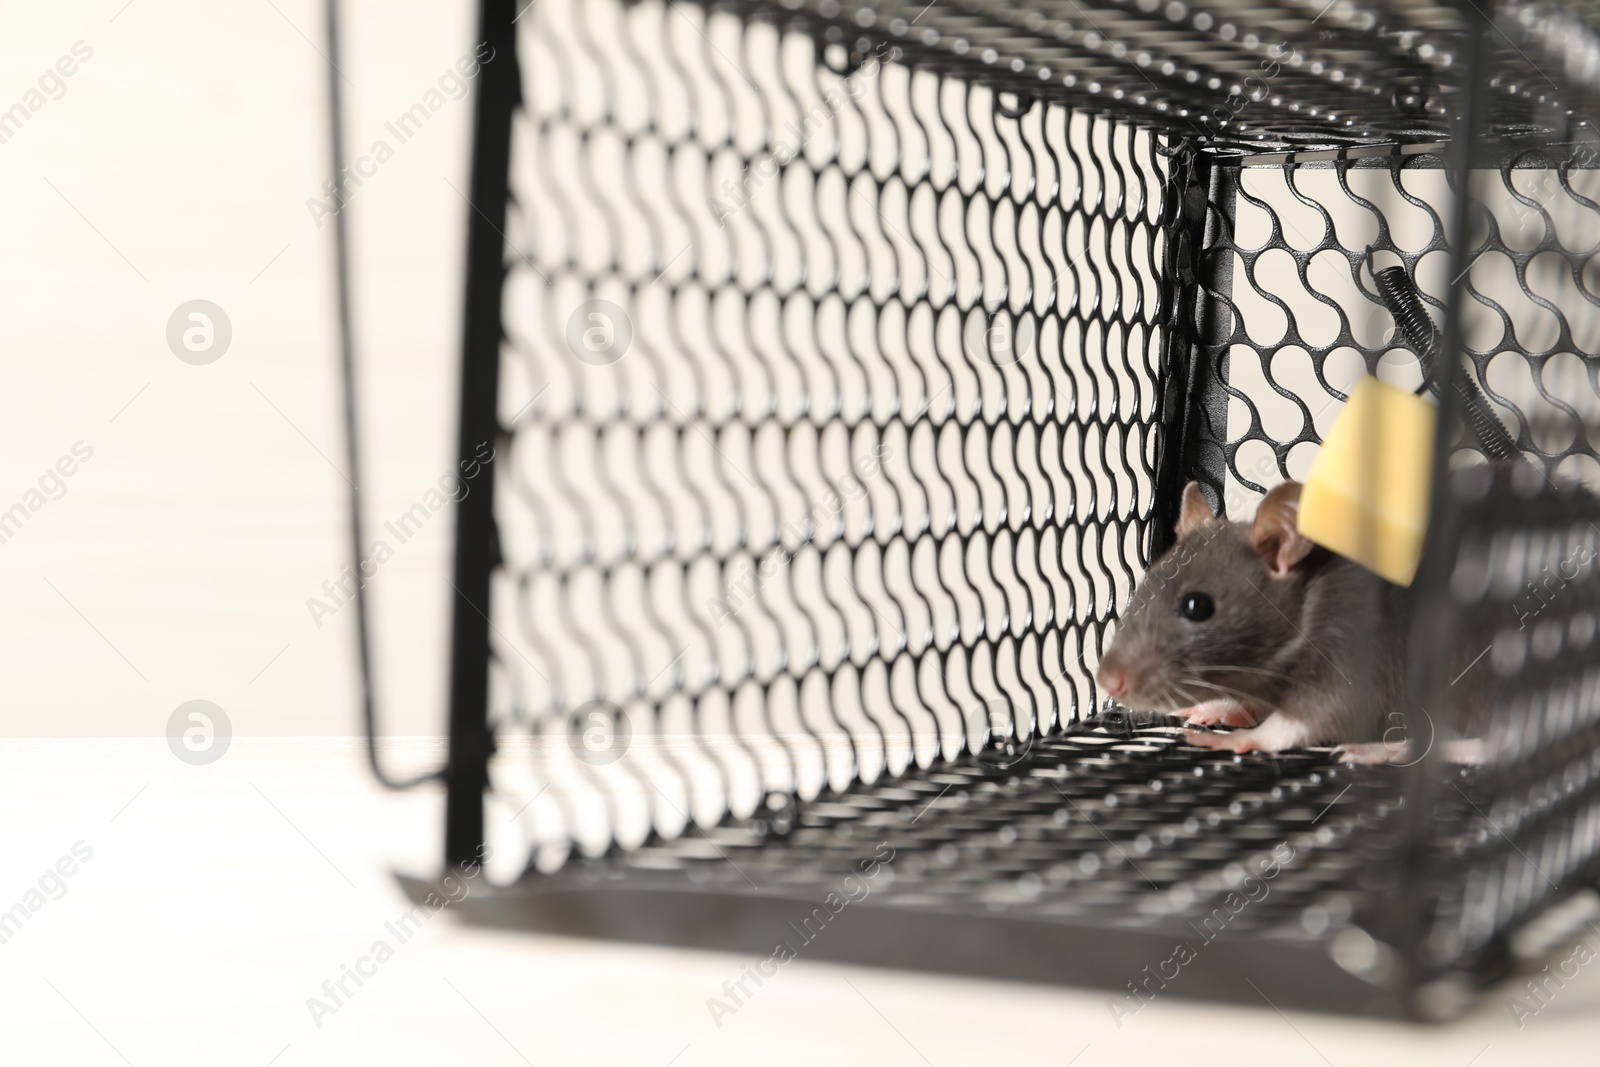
(1274, 535)
(1195, 511)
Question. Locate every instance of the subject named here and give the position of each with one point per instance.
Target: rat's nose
(1114, 681)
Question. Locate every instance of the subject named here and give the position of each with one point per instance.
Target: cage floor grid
(1111, 848)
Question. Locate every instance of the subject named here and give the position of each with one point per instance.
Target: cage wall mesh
(1520, 833)
(913, 299)
(877, 463)
(1297, 319)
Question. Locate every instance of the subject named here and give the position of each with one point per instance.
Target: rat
(1251, 625)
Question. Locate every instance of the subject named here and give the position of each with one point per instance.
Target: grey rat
(1250, 624)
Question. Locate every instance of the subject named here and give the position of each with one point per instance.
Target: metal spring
(1416, 328)
(1410, 317)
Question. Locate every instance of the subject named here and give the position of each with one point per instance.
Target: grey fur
(1321, 648)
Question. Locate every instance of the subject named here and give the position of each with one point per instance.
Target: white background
(191, 141)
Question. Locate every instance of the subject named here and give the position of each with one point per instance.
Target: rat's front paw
(1471, 751)
(1373, 753)
(1237, 741)
(1275, 734)
(1224, 712)
(1462, 750)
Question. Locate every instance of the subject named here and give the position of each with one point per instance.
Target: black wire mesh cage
(844, 364)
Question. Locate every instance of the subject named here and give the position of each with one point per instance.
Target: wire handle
(347, 366)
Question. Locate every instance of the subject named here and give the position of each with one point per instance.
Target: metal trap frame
(844, 363)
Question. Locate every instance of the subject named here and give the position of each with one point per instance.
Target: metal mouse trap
(845, 364)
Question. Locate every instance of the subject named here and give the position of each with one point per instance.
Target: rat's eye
(1196, 607)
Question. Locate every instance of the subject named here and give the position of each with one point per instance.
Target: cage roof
(1244, 75)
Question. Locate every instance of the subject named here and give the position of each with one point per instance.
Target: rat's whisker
(1183, 692)
(1180, 692)
(1243, 669)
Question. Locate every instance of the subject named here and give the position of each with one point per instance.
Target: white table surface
(219, 898)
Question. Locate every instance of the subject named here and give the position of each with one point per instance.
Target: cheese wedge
(1366, 495)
